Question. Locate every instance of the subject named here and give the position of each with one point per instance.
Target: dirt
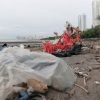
(84, 63)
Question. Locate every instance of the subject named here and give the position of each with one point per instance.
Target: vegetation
(92, 33)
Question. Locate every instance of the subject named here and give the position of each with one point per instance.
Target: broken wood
(81, 74)
(85, 82)
(82, 88)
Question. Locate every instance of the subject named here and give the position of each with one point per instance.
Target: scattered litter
(23, 95)
(81, 74)
(97, 82)
(82, 88)
(85, 50)
(21, 46)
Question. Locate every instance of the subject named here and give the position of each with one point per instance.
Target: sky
(40, 18)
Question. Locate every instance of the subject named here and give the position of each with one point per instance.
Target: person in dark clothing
(4, 45)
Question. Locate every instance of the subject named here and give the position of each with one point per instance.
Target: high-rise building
(82, 22)
(96, 12)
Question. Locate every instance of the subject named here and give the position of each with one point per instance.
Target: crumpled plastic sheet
(17, 65)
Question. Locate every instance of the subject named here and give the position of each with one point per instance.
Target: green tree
(92, 33)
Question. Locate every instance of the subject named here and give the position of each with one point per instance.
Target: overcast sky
(40, 17)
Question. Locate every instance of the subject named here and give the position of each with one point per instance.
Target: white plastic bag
(18, 65)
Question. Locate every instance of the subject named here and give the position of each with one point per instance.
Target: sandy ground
(83, 63)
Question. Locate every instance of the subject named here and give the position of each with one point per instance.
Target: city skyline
(96, 12)
(82, 22)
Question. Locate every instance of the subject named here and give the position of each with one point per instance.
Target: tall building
(82, 22)
(96, 12)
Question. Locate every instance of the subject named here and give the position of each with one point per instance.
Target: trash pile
(69, 43)
(33, 89)
(25, 75)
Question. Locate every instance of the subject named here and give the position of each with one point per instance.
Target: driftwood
(82, 88)
(81, 74)
(85, 82)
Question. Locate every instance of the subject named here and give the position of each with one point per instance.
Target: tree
(92, 33)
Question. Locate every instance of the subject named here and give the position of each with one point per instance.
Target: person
(4, 45)
(69, 29)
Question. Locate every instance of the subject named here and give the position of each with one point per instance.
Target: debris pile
(24, 73)
(28, 91)
(69, 43)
